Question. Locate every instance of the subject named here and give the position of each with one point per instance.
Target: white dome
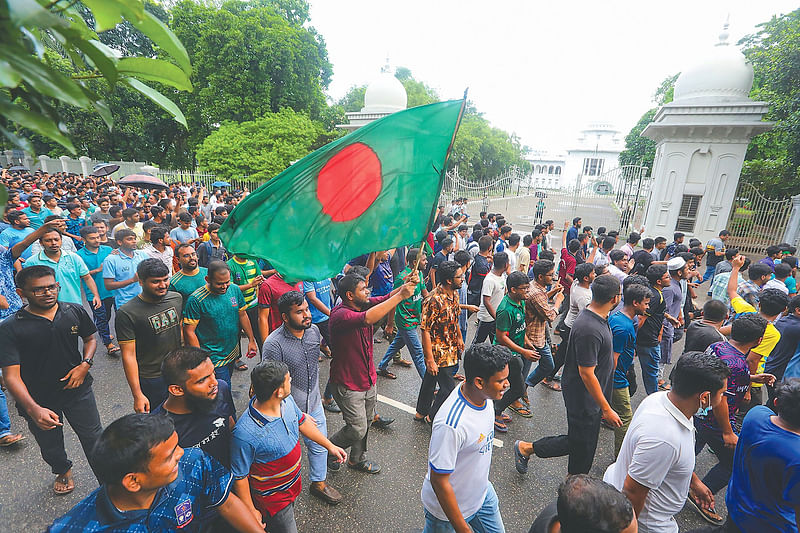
(385, 94)
(723, 75)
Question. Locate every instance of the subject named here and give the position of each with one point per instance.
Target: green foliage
(641, 150)
(50, 54)
(773, 158)
(260, 148)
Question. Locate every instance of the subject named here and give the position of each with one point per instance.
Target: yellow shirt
(771, 335)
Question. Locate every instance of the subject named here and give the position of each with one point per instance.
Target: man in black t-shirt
(47, 374)
(480, 267)
(586, 383)
(200, 405)
(148, 328)
(648, 348)
(704, 332)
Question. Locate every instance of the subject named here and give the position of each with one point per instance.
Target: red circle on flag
(349, 182)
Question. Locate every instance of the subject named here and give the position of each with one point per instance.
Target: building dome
(723, 75)
(385, 94)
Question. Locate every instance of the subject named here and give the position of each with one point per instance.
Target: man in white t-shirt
(655, 467)
(456, 492)
(492, 292)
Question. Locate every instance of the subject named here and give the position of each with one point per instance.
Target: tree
(261, 148)
(641, 150)
(772, 163)
(418, 93)
(249, 60)
(42, 39)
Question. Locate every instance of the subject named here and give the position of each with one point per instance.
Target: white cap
(676, 263)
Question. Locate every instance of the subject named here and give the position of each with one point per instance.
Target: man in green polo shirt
(70, 269)
(510, 326)
(191, 276)
(212, 318)
(406, 319)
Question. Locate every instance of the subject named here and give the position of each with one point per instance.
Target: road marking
(410, 410)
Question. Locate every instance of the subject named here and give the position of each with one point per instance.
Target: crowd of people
(572, 318)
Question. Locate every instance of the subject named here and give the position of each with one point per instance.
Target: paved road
(387, 502)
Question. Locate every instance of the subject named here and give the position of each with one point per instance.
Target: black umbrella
(18, 168)
(143, 180)
(104, 169)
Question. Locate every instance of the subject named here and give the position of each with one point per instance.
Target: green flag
(374, 189)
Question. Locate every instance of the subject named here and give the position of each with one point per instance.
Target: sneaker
(520, 461)
(332, 407)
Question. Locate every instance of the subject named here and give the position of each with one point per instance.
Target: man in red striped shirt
(265, 448)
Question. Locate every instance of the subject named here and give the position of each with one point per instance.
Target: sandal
(426, 419)
(664, 386)
(64, 484)
(709, 515)
(240, 365)
(505, 418)
(10, 439)
(552, 385)
(521, 411)
(402, 362)
(520, 460)
(459, 377)
(114, 351)
(367, 467)
(386, 374)
(500, 427)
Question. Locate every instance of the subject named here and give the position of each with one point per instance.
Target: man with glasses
(47, 374)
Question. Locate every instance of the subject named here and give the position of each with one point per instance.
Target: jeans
(281, 522)
(546, 366)
(709, 274)
(485, 330)
(358, 410)
(5, 421)
(155, 390)
(224, 373)
(102, 316)
(649, 359)
(317, 455)
(408, 337)
(446, 385)
(486, 520)
(81, 412)
(580, 442)
(516, 388)
(720, 474)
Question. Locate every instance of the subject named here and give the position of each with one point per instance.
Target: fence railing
(756, 221)
(207, 179)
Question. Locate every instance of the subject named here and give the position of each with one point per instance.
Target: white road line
(410, 410)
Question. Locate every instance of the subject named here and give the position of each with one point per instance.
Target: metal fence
(756, 221)
(207, 179)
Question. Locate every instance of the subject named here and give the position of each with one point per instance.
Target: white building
(547, 168)
(702, 138)
(384, 96)
(595, 152)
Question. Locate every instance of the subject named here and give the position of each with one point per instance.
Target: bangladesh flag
(374, 189)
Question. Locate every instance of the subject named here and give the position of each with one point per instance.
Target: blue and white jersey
(461, 445)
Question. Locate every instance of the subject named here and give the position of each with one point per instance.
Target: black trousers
(485, 330)
(252, 315)
(561, 354)
(580, 442)
(446, 383)
(517, 385)
(81, 413)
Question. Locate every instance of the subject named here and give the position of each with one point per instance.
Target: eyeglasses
(41, 291)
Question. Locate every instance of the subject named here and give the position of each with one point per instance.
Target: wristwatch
(89, 361)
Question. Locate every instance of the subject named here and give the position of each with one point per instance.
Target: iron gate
(756, 221)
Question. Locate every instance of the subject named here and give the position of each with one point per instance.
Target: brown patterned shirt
(538, 312)
(440, 319)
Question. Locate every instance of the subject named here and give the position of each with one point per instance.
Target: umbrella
(220, 184)
(104, 169)
(144, 180)
(18, 169)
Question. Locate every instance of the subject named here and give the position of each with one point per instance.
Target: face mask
(702, 411)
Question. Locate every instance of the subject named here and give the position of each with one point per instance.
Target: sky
(537, 68)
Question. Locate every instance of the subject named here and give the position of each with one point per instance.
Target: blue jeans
(317, 455)
(408, 337)
(709, 274)
(102, 315)
(649, 358)
(544, 368)
(5, 421)
(486, 520)
(224, 373)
